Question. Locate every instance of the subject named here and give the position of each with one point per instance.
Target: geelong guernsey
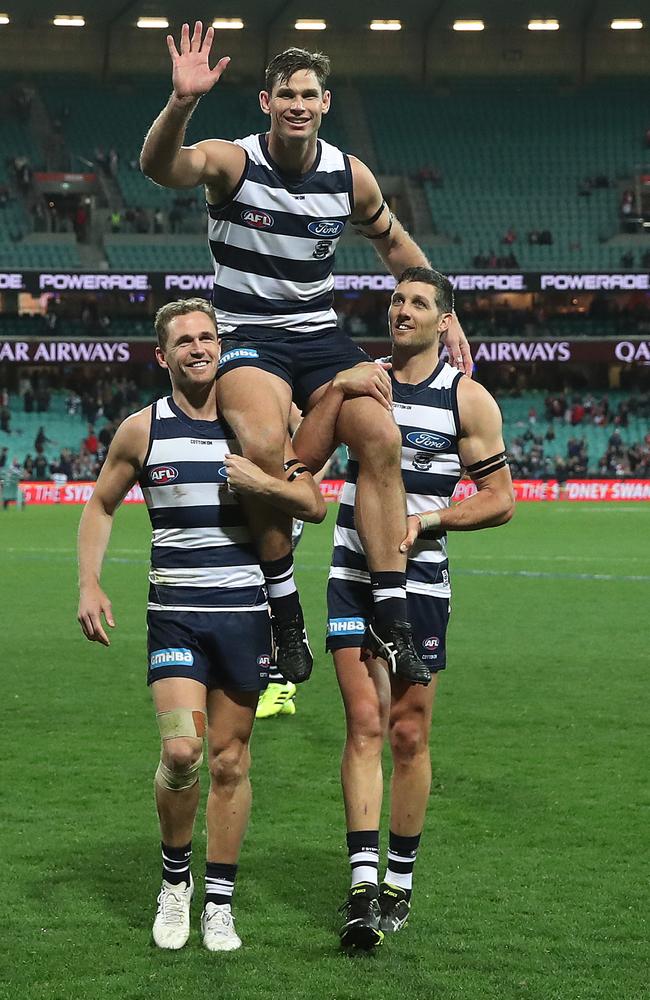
(202, 556)
(427, 415)
(273, 241)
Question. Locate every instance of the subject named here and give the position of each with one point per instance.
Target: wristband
(429, 520)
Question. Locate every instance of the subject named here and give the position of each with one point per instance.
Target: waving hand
(191, 73)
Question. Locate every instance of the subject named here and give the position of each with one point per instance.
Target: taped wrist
(429, 520)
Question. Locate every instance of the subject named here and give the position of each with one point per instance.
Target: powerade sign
(202, 282)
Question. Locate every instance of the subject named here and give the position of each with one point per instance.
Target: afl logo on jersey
(432, 642)
(163, 474)
(428, 441)
(326, 227)
(257, 219)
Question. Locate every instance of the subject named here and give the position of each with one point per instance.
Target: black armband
(479, 470)
(373, 218)
(298, 471)
(384, 233)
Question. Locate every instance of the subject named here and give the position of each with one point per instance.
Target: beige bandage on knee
(180, 723)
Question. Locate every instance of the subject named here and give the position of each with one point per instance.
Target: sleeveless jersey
(273, 241)
(427, 415)
(202, 555)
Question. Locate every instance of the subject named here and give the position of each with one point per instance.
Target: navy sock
(363, 851)
(402, 852)
(219, 883)
(389, 598)
(283, 596)
(176, 863)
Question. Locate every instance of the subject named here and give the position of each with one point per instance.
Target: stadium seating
(514, 154)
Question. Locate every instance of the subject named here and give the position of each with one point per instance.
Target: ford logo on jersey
(326, 227)
(431, 643)
(223, 472)
(428, 440)
(163, 474)
(256, 219)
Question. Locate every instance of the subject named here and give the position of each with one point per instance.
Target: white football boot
(218, 926)
(171, 928)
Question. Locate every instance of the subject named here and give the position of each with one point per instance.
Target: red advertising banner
(525, 489)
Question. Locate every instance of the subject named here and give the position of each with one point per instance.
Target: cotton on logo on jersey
(163, 474)
(256, 219)
(346, 626)
(171, 657)
(428, 440)
(326, 227)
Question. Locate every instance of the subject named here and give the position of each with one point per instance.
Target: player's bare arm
(482, 453)
(118, 474)
(316, 437)
(374, 220)
(214, 162)
(298, 495)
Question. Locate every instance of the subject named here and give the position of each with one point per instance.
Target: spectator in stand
(533, 237)
(106, 435)
(158, 222)
(3, 457)
(5, 419)
(28, 466)
(42, 399)
(116, 221)
(510, 236)
(41, 440)
(627, 259)
(577, 413)
(90, 443)
(532, 415)
(81, 222)
(627, 203)
(41, 467)
(113, 162)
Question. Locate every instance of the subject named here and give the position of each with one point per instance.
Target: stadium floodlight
(468, 25)
(626, 24)
(152, 22)
(69, 21)
(310, 24)
(543, 24)
(383, 25)
(227, 23)
(4, 19)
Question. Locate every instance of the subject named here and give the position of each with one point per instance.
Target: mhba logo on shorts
(237, 352)
(428, 440)
(326, 227)
(163, 474)
(432, 642)
(171, 657)
(256, 219)
(346, 626)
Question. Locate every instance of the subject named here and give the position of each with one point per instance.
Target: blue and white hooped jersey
(202, 555)
(427, 415)
(273, 241)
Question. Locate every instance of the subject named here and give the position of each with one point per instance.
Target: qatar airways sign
(60, 351)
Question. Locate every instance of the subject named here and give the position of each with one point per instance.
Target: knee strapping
(180, 779)
(180, 723)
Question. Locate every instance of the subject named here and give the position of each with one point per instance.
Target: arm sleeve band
(373, 218)
(384, 233)
(478, 470)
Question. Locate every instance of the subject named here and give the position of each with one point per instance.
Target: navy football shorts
(350, 605)
(221, 649)
(305, 361)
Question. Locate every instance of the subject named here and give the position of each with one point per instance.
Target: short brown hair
(444, 294)
(285, 64)
(181, 307)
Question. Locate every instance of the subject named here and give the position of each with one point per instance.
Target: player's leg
(240, 646)
(256, 404)
(409, 728)
(380, 520)
(180, 704)
(365, 688)
(230, 723)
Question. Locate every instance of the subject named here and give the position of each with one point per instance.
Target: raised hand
(191, 73)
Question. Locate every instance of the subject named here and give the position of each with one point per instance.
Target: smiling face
(414, 318)
(296, 106)
(191, 351)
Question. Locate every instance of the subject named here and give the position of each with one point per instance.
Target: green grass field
(532, 878)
